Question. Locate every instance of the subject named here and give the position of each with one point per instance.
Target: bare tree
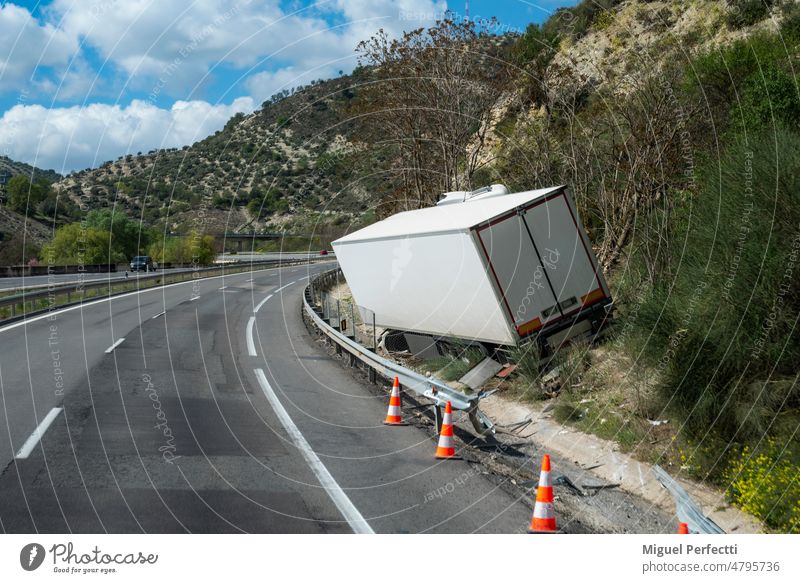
(432, 93)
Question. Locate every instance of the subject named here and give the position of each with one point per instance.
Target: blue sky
(85, 81)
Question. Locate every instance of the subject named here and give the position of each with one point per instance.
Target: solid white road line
(261, 303)
(111, 348)
(326, 480)
(251, 346)
(158, 315)
(34, 438)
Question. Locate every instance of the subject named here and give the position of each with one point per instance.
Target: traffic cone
(446, 449)
(544, 514)
(683, 528)
(395, 416)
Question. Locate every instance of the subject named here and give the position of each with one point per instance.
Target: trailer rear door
(564, 253)
(519, 273)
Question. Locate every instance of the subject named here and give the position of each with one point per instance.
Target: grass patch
(600, 419)
(452, 367)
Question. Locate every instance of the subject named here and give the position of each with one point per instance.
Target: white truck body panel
(495, 269)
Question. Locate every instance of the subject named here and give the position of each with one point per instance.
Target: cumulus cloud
(27, 45)
(77, 137)
(156, 51)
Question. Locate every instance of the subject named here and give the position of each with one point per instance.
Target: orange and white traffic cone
(544, 514)
(395, 415)
(446, 449)
(683, 528)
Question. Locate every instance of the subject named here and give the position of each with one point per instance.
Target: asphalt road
(12, 283)
(216, 413)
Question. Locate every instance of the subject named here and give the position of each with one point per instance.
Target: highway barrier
(430, 387)
(30, 302)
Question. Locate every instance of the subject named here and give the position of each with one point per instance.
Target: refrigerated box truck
(485, 266)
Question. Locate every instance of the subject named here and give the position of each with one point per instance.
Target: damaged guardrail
(430, 387)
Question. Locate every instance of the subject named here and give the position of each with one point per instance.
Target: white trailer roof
(446, 218)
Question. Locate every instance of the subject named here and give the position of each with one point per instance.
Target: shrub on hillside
(725, 322)
(764, 482)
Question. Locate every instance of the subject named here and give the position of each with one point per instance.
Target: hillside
(9, 168)
(286, 166)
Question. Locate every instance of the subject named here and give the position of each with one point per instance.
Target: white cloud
(26, 45)
(78, 137)
(162, 49)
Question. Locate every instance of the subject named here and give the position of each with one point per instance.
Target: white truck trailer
(484, 266)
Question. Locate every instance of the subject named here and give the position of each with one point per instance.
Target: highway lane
(18, 283)
(13, 283)
(180, 428)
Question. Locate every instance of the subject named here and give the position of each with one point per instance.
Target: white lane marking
(111, 348)
(251, 345)
(223, 287)
(326, 480)
(158, 315)
(284, 287)
(34, 438)
(117, 297)
(266, 299)
(249, 280)
(194, 298)
(261, 303)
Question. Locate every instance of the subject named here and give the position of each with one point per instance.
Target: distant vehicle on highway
(143, 263)
(323, 252)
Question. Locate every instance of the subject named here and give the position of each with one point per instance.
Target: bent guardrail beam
(430, 387)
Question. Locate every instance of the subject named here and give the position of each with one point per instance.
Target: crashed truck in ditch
(486, 267)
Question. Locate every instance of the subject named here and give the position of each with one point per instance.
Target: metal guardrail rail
(430, 387)
(79, 289)
(687, 509)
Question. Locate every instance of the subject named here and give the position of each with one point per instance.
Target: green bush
(577, 20)
(718, 75)
(765, 482)
(790, 26)
(725, 321)
(79, 244)
(770, 96)
(748, 12)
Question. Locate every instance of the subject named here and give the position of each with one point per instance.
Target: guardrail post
(353, 321)
(373, 375)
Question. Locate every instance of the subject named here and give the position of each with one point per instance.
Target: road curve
(207, 407)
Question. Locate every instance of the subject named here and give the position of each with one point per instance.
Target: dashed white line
(194, 298)
(251, 346)
(326, 480)
(34, 438)
(223, 287)
(158, 315)
(111, 348)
